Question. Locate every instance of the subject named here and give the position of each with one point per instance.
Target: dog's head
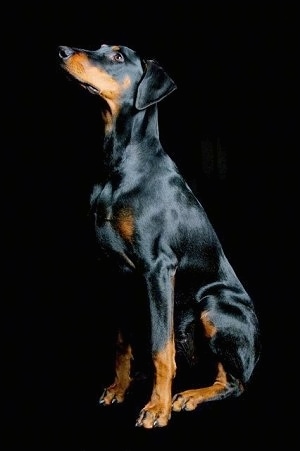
(118, 75)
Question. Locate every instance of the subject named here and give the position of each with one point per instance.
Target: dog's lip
(90, 88)
(84, 85)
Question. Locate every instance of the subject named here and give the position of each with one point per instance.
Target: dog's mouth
(90, 88)
(84, 85)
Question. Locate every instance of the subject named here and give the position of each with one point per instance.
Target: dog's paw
(112, 395)
(153, 415)
(187, 400)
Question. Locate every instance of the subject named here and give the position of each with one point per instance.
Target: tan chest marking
(124, 223)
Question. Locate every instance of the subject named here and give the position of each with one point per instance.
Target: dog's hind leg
(223, 387)
(233, 346)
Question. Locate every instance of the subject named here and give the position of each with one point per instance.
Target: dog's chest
(114, 220)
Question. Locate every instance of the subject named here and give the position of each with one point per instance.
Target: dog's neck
(129, 135)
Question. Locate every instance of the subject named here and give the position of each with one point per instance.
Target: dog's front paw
(154, 415)
(112, 394)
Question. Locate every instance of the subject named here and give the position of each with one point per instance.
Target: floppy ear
(155, 85)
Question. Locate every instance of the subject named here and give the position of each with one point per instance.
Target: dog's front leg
(160, 285)
(115, 393)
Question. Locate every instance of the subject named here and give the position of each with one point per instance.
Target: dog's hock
(154, 86)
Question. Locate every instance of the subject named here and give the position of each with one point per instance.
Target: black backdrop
(230, 128)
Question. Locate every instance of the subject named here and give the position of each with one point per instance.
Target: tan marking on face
(124, 223)
(80, 67)
(126, 83)
(116, 48)
(209, 328)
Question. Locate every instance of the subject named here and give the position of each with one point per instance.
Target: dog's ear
(154, 86)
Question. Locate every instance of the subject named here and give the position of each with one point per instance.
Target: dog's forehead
(126, 51)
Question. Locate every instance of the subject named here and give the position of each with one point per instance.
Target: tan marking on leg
(190, 399)
(117, 390)
(157, 411)
(209, 328)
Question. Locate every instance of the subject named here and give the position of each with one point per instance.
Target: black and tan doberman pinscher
(151, 227)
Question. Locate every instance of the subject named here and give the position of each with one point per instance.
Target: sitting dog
(154, 232)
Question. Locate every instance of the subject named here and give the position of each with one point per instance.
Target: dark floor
(71, 419)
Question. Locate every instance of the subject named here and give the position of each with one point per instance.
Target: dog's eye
(118, 57)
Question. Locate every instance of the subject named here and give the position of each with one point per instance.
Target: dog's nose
(65, 52)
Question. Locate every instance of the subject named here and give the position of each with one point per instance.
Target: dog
(151, 228)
